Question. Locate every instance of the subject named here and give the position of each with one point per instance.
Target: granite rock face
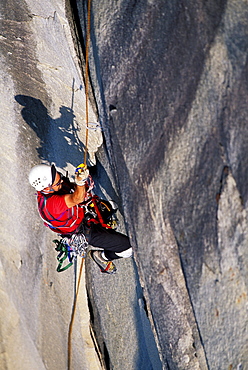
(170, 80)
(42, 120)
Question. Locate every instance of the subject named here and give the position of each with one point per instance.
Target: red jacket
(56, 215)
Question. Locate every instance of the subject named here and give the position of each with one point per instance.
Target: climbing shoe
(105, 266)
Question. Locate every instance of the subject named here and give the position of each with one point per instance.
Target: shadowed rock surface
(169, 82)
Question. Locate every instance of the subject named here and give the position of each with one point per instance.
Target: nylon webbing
(63, 254)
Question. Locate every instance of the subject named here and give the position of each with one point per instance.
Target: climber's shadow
(59, 141)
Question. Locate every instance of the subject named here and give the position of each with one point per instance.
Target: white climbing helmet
(42, 176)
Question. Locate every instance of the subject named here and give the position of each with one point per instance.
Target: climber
(61, 206)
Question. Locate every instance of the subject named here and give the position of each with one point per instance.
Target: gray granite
(169, 83)
(170, 80)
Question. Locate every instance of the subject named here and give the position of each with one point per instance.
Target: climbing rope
(85, 163)
(87, 82)
(73, 312)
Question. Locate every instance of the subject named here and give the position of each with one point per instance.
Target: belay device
(98, 211)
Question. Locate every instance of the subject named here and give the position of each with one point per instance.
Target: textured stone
(170, 83)
(170, 80)
(42, 119)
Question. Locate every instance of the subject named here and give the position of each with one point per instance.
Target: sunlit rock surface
(170, 86)
(42, 120)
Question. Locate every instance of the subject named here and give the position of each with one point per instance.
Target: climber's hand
(81, 174)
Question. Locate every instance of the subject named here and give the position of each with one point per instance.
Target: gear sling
(95, 210)
(56, 224)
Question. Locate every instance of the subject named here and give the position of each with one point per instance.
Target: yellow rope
(87, 82)
(85, 163)
(73, 316)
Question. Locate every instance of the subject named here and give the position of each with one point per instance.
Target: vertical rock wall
(170, 80)
(42, 115)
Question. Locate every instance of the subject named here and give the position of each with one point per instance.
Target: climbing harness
(96, 211)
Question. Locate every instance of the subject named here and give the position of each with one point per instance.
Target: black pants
(108, 239)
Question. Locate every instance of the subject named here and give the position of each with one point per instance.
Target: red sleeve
(56, 204)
